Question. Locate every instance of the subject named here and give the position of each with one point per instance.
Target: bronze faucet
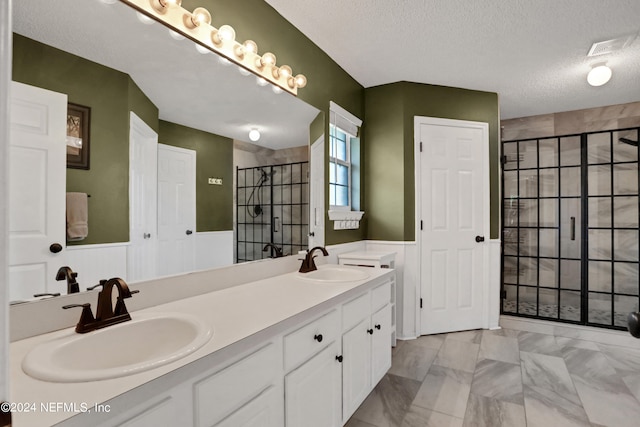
(66, 273)
(308, 264)
(106, 315)
(277, 250)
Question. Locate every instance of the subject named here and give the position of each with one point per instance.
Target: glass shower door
(542, 219)
(612, 286)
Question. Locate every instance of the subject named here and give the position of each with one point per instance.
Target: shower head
(628, 141)
(267, 175)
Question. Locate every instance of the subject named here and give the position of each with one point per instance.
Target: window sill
(345, 220)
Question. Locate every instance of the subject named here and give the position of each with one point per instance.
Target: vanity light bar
(197, 26)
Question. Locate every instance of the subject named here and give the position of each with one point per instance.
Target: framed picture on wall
(78, 120)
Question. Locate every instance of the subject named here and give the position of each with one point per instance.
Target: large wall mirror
(162, 113)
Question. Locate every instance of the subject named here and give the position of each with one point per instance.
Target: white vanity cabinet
(313, 373)
(312, 369)
(366, 348)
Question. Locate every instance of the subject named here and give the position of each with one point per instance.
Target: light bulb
(227, 33)
(108, 1)
(266, 59)
(261, 81)
(144, 19)
(203, 50)
(254, 135)
(224, 61)
(175, 35)
(200, 16)
(284, 71)
(269, 58)
(599, 75)
(244, 71)
(276, 90)
(250, 46)
(301, 80)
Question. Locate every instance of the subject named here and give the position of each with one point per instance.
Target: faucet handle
(102, 282)
(57, 294)
(85, 324)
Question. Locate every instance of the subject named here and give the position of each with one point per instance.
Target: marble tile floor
(505, 378)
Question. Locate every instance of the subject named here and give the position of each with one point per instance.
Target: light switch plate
(215, 181)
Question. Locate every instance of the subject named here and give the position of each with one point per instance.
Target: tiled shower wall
(570, 122)
(575, 122)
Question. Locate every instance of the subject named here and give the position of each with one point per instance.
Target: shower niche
(272, 210)
(570, 228)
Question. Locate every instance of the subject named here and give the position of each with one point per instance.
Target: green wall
(214, 159)
(389, 156)
(327, 81)
(110, 94)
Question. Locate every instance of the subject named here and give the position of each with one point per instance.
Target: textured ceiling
(531, 52)
(188, 88)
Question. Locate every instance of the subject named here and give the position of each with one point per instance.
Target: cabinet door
(381, 343)
(263, 411)
(312, 392)
(356, 367)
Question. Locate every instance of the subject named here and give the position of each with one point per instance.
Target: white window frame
(335, 109)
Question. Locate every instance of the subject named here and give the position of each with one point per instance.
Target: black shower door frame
(513, 234)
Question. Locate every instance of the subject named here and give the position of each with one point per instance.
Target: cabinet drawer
(220, 394)
(310, 339)
(380, 296)
(355, 310)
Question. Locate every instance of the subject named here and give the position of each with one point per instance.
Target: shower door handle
(573, 228)
(275, 224)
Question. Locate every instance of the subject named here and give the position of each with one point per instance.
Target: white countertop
(233, 313)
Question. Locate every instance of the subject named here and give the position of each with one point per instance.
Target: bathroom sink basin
(334, 274)
(147, 341)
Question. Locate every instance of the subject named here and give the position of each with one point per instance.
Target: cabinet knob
(318, 337)
(370, 331)
(378, 327)
(339, 359)
(55, 248)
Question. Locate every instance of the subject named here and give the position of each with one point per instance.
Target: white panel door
(356, 367)
(380, 348)
(176, 209)
(37, 190)
(312, 392)
(143, 200)
(452, 211)
(316, 211)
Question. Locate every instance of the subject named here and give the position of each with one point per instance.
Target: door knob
(479, 239)
(147, 235)
(55, 248)
(312, 234)
(189, 232)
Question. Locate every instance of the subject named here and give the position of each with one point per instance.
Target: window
(339, 168)
(344, 159)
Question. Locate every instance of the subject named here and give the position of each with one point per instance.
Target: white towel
(77, 216)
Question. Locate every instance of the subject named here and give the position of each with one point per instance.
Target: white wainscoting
(96, 262)
(214, 249)
(494, 284)
(406, 292)
(342, 248)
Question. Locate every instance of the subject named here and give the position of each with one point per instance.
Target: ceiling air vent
(608, 46)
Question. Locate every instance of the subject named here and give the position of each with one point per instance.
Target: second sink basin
(147, 341)
(334, 274)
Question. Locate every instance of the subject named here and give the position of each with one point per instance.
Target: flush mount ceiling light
(254, 135)
(197, 26)
(599, 75)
